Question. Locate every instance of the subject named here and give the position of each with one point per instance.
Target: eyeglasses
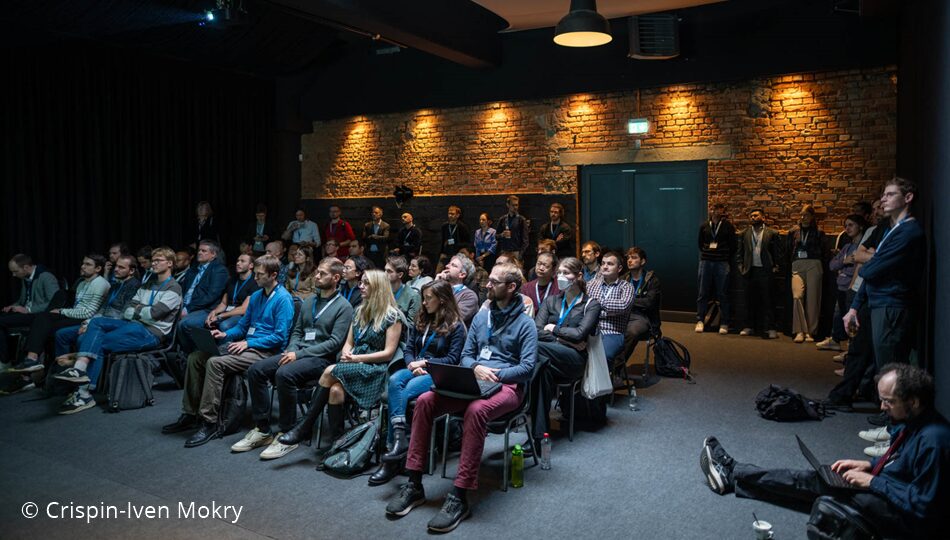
(492, 282)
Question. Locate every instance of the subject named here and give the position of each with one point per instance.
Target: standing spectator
(376, 238)
(513, 228)
(203, 228)
(340, 230)
(302, 231)
(863, 209)
(455, 235)
(805, 247)
(558, 231)
(408, 239)
(420, 272)
(843, 266)
(486, 242)
(717, 246)
(261, 231)
(757, 259)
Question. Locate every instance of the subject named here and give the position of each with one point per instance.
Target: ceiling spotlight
(582, 26)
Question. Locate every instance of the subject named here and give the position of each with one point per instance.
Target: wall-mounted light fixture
(582, 26)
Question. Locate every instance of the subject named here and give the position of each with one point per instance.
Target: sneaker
(254, 439)
(408, 498)
(839, 357)
(74, 375)
(723, 329)
(876, 435)
(277, 450)
(717, 465)
(878, 450)
(839, 372)
(773, 334)
(809, 339)
(27, 366)
(745, 332)
(75, 403)
(799, 337)
(828, 344)
(19, 384)
(699, 327)
(453, 511)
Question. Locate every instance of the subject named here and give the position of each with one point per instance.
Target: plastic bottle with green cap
(517, 467)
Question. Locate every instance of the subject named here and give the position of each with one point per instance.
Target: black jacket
(580, 322)
(647, 299)
(770, 250)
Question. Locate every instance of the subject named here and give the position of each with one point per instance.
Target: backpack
(130, 382)
(671, 358)
(233, 404)
(350, 454)
(786, 405)
(831, 519)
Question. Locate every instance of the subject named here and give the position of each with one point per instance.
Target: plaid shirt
(616, 300)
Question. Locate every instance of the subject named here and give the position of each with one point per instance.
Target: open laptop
(828, 476)
(205, 341)
(460, 382)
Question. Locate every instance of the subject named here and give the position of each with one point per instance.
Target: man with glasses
(456, 273)
(590, 256)
(501, 347)
(146, 321)
(262, 332)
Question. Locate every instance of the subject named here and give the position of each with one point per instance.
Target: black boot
(303, 431)
(386, 472)
(400, 444)
(335, 419)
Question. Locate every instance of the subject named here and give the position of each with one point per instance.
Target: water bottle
(517, 467)
(546, 452)
(634, 399)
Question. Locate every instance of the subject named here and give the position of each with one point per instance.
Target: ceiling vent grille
(654, 37)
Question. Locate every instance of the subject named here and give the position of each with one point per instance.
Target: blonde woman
(361, 370)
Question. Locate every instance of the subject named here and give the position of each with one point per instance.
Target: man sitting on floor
(908, 489)
(501, 347)
(263, 332)
(318, 335)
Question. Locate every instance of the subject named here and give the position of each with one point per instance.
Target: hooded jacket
(513, 342)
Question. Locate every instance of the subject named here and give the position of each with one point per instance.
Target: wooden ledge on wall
(649, 155)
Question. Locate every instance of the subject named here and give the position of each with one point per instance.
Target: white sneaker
(828, 344)
(699, 327)
(809, 339)
(876, 435)
(799, 337)
(254, 439)
(839, 357)
(745, 332)
(723, 329)
(277, 449)
(773, 334)
(878, 450)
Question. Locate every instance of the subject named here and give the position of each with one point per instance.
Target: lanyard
(888, 233)
(537, 292)
(636, 284)
(452, 230)
(426, 342)
(267, 297)
(313, 308)
(757, 238)
(457, 288)
(331, 227)
(375, 228)
(803, 240)
(296, 281)
(605, 290)
(565, 309)
(151, 299)
(399, 291)
(115, 293)
(238, 289)
(489, 332)
(260, 229)
(715, 232)
(349, 293)
(554, 229)
(360, 335)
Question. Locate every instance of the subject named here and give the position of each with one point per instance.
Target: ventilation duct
(654, 37)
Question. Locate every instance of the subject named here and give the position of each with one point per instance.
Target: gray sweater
(44, 287)
(90, 295)
(330, 328)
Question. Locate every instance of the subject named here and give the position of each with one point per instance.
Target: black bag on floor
(233, 404)
(786, 405)
(833, 520)
(671, 358)
(350, 454)
(130, 382)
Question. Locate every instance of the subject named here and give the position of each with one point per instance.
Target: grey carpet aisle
(639, 477)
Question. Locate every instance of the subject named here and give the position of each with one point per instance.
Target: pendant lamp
(582, 26)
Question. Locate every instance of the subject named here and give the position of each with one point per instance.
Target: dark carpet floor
(638, 477)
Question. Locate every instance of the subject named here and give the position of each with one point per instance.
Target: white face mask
(563, 283)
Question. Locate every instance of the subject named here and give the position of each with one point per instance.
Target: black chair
(158, 354)
(574, 388)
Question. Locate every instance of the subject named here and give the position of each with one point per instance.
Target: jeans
(194, 319)
(838, 332)
(613, 346)
(287, 379)
(226, 324)
(713, 275)
(559, 364)
(403, 388)
(66, 338)
(104, 336)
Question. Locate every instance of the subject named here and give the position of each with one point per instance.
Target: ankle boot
(400, 444)
(386, 472)
(303, 431)
(335, 419)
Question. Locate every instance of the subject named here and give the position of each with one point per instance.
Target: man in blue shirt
(202, 291)
(907, 489)
(262, 331)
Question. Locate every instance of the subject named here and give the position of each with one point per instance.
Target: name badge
(250, 331)
(309, 334)
(485, 354)
(713, 245)
(450, 241)
(373, 247)
(802, 254)
(229, 308)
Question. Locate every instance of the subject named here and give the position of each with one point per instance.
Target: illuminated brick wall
(826, 138)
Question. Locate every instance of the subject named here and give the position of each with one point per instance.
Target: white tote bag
(596, 380)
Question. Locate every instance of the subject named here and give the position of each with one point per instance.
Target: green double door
(656, 206)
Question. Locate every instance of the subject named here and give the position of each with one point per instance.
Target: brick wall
(826, 138)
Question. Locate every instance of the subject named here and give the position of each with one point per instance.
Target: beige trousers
(806, 295)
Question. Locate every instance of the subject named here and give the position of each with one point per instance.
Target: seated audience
(455, 235)
(36, 292)
(455, 273)
(564, 322)
(236, 296)
(407, 298)
(501, 347)
(358, 249)
(558, 232)
(361, 370)
(318, 334)
(115, 251)
(408, 238)
(301, 279)
(260, 232)
(331, 248)
(262, 332)
(144, 258)
(276, 250)
(202, 288)
(645, 314)
(302, 231)
(907, 491)
(544, 246)
(376, 236)
(420, 272)
(590, 256)
(340, 230)
(353, 270)
(544, 284)
(486, 242)
(436, 336)
(147, 321)
(183, 270)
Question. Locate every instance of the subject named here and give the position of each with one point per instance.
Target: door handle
(622, 220)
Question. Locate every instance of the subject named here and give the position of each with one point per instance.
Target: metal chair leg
(445, 445)
(570, 420)
(507, 458)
